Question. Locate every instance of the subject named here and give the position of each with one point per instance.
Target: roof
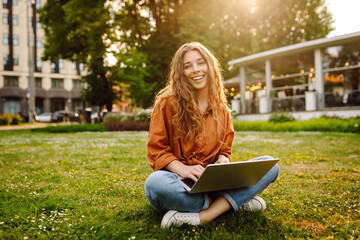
(295, 48)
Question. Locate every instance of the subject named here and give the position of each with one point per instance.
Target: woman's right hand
(193, 171)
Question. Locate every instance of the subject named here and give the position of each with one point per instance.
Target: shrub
(73, 128)
(143, 117)
(15, 120)
(3, 120)
(117, 122)
(280, 117)
(351, 125)
(6, 119)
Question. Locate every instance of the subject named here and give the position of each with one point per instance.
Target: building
(318, 75)
(56, 84)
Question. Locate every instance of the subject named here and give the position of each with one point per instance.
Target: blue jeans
(165, 192)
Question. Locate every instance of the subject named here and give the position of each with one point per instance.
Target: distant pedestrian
(66, 115)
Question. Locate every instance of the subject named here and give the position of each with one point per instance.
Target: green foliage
(75, 30)
(72, 128)
(6, 119)
(351, 125)
(131, 70)
(3, 120)
(280, 117)
(90, 185)
(147, 33)
(16, 120)
(231, 29)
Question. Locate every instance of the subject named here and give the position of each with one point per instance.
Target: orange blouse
(163, 148)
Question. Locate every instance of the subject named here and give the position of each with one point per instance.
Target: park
(81, 82)
(91, 185)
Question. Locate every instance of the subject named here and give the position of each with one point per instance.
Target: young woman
(190, 128)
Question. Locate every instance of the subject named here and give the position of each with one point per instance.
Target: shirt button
(194, 153)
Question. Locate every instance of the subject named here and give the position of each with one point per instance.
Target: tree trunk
(33, 5)
(10, 63)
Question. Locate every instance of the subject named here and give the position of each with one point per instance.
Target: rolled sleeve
(160, 152)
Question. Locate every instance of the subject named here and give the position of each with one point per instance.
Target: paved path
(28, 126)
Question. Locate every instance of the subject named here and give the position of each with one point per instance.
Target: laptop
(229, 175)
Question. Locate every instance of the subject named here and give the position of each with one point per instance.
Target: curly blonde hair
(188, 118)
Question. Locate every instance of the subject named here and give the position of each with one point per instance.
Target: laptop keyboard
(190, 183)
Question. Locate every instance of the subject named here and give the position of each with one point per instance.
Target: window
(5, 3)
(57, 83)
(15, 20)
(61, 63)
(15, 59)
(38, 64)
(5, 19)
(38, 24)
(11, 81)
(16, 40)
(38, 82)
(38, 43)
(77, 84)
(53, 67)
(11, 106)
(38, 4)
(6, 39)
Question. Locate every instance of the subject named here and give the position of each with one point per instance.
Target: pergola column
(268, 84)
(319, 83)
(242, 89)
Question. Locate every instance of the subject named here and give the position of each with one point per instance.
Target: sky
(346, 14)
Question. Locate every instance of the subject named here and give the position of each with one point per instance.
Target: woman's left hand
(222, 159)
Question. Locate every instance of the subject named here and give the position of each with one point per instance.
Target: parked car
(58, 116)
(43, 117)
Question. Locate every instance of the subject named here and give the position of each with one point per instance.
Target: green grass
(89, 185)
(89, 127)
(323, 124)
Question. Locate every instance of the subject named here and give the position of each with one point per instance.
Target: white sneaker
(256, 204)
(179, 218)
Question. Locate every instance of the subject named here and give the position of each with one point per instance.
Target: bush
(3, 120)
(117, 122)
(10, 119)
(351, 125)
(16, 119)
(280, 117)
(73, 128)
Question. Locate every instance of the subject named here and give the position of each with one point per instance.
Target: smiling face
(196, 70)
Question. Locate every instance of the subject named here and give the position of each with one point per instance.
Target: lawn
(90, 185)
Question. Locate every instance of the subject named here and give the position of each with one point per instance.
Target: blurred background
(84, 58)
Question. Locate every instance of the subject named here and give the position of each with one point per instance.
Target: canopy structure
(287, 73)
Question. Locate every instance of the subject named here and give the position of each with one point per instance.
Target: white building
(56, 84)
(318, 75)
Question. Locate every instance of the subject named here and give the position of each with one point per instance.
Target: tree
(75, 30)
(131, 69)
(148, 32)
(236, 28)
(231, 28)
(10, 58)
